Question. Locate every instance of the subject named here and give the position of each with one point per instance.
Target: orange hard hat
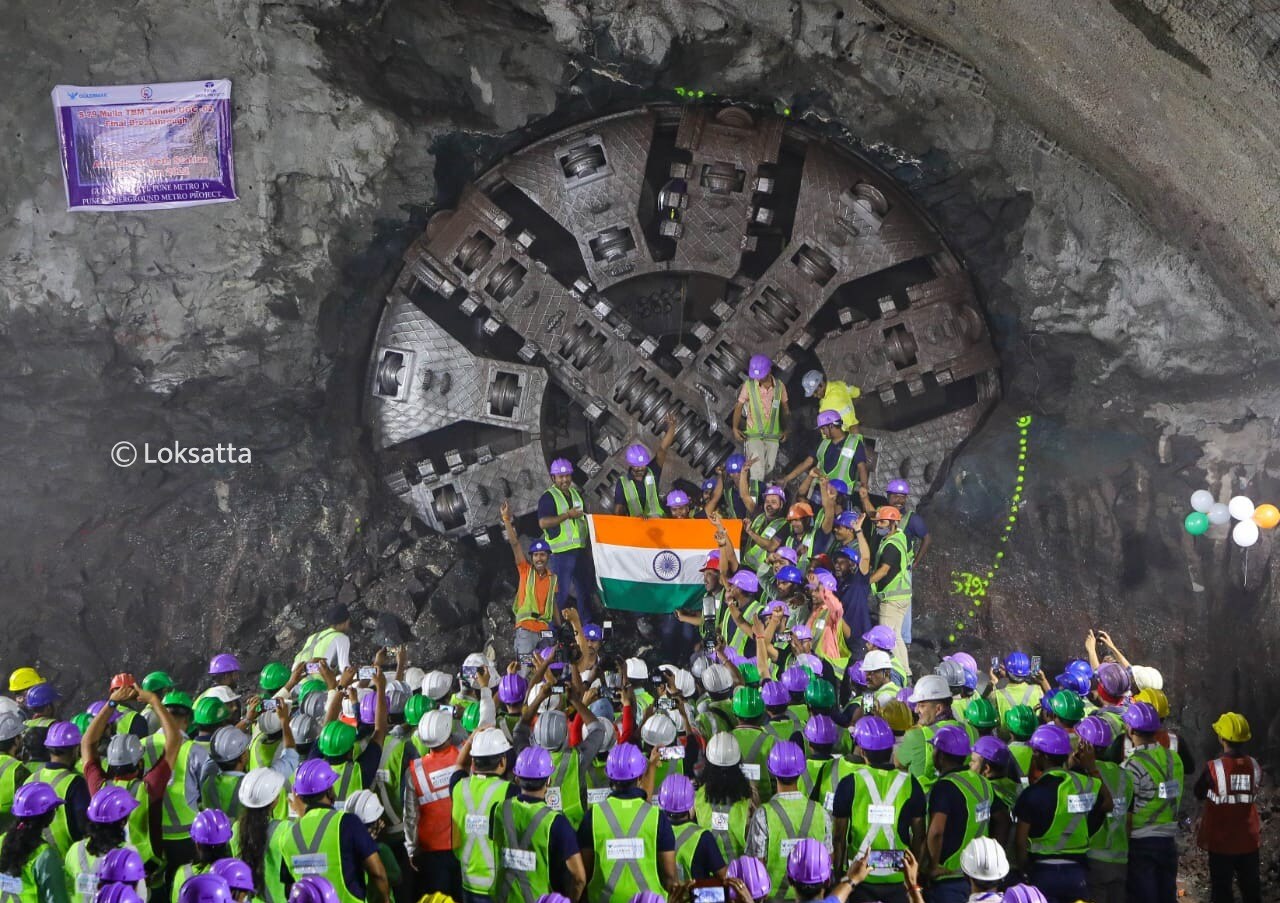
(123, 679)
(888, 512)
(799, 510)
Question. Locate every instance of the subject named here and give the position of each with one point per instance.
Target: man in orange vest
(428, 810)
(1230, 831)
(534, 607)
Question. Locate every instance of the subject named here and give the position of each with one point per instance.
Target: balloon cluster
(1241, 508)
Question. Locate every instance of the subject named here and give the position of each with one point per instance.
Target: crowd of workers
(772, 743)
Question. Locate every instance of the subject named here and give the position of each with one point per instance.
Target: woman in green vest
(31, 870)
(109, 813)
(726, 799)
(263, 812)
(211, 834)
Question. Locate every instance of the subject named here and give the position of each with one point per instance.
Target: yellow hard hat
(24, 679)
(897, 715)
(1156, 699)
(1233, 728)
(437, 897)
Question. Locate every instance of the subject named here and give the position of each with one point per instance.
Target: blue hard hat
(735, 463)
(789, 574)
(539, 545)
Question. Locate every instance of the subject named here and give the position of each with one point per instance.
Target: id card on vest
(982, 812)
(881, 815)
(477, 825)
(750, 770)
(11, 884)
(519, 860)
(1080, 802)
(1167, 790)
(719, 821)
(552, 799)
(309, 864)
(87, 884)
(622, 848)
(786, 845)
(1119, 806)
(439, 778)
(597, 794)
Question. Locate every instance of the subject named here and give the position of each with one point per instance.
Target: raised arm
(667, 439)
(513, 540)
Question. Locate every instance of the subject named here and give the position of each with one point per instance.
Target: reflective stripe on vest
(784, 835)
(687, 837)
(8, 782)
(386, 782)
(317, 645)
(139, 823)
(525, 852)
(1165, 773)
(726, 822)
(633, 867)
(1028, 694)
(844, 469)
(176, 813)
(770, 428)
(1110, 843)
(429, 778)
(566, 782)
(29, 892)
(900, 586)
(1068, 833)
(322, 854)
(350, 781)
(471, 839)
(766, 528)
(526, 606)
(652, 507)
(82, 882)
(58, 833)
(1236, 789)
(977, 799)
(568, 534)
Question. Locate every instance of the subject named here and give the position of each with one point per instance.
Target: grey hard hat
(269, 723)
(304, 728)
(124, 750)
(11, 725)
(551, 730)
(228, 744)
(951, 672)
(315, 704)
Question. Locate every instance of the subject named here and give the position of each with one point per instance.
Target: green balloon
(1196, 523)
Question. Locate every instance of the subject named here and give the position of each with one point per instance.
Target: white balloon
(1245, 534)
(1241, 508)
(1202, 500)
(1218, 513)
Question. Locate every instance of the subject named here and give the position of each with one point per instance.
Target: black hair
(311, 800)
(945, 759)
(622, 785)
(532, 784)
(488, 764)
(103, 838)
(124, 772)
(725, 784)
(878, 756)
(809, 891)
(208, 855)
(10, 746)
(1055, 761)
(254, 835)
(987, 886)
(820, 750)
(21, 841)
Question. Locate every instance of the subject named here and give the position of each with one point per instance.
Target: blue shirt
(562, 847)
(946, 798)
(666, 837)
(854, 593)
(831, 458)
(850, 786)
(547, 505)
(619, 499)
(357, 845)
(1037, 805)
(915, 528)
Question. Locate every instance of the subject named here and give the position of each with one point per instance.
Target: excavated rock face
(1108, 182)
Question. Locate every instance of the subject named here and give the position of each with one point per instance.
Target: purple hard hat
(786, 760)
(809, 863)
(638, 455)
(539, 545)
(676, 794)
(1112, 678)
(993, 750)
(314, 776)
(533, 764)
(795, 679)
(898, 487)
(789, 555)
(882, 637)
(561, 466)
(777, 605)
(789, 574)
(904, 695)
(1080, 666)
(970, 679)
(553, 897)
(759, 366)
(97, 706)
(1074, 681)
(235, 872)
(677, 498)
(752, 872)
(802, 632)
(648, 896)
(1051, 740)
(62, 735)
(122, 864)
(224, 663)
(745, 581)
(775, 693)
(952, 740)
(116, 893)
(709, 484)
(828, 418)
(34, 798)
(111, 804)
(369, 707)
(825, 578)
(1095, 731)
(205, 888)
(41, 695)
(873, 733)
(512, 689)
(1142, 717)
(211, 827)
(313, 889)
(857, 676)
(810, 661)
(1024, 893)
(963, 659)
(777, 492)
(625, 763)
(821, 730)
(734, 463)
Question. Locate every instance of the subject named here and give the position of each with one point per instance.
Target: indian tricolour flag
(653, 565)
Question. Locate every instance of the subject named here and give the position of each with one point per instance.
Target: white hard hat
(269, 723)
(475, 660)
(637, 669)
(610, 734)
(658, 730)
(226, 694)
(1146, 678)
(984, 860)
(260, 788)
(930, 688)
(723, 750)
(678, 720)
(397, 696)
(717, 678)
(685, 683)
(435, 728)
(877, 660)
(436, 684)
(364, 806)
(413, 677)
(490, 742)
(699, 666)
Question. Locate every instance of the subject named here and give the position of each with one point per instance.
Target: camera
(567, 644)
(658, 679)
(269, 705)
(886, 859)
(366, 672)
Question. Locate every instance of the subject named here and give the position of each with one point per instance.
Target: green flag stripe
(653, 598)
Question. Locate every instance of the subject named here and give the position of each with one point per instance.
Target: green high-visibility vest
(152, 750)
(717, 717)
(564, 790)
(350, 780)
(312, 845)
(1022, 752)
(24, 888)
(790, 820)
(825, 783)
(526, 605)
(317, 645)
(387, 782)
(763, 426)
(80, 872)
(899, 587)
(58, 834)
(10, 770)
(262, 752)
(624, 836)
(652, 507)
(177, 814)
(1068, 833)
(568, 535)
(223, 792)
(840, 660)
(1110, 843)
(139, 819)
(1164, 768)
(977, 794)
(525, 851)
(740, 639)
(728, 823)
(1007, 791)
(185, 874)
(929, 776)
(845, 468)
(688, 836)
(755, 744)
(804, 545)
(732, 501)
(878, 801)
(475, 797)
(1015, 694)
(755, 557)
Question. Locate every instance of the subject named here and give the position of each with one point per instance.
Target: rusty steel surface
(594, 281)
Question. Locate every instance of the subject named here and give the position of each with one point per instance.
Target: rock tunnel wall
(1114, 202)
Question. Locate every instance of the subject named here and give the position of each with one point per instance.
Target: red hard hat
(123, 679)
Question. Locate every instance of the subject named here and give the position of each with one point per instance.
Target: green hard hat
(416, 706)
(82, 721)
(309, 686)
(750, 674)
(819, 694)
(747, 702)
(1067, 705)
(157, 682)
(981, 713)
(336, 739)
(471, 717)
(209, 711)
(176, 699)
(1022, 721)
(274, 676)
